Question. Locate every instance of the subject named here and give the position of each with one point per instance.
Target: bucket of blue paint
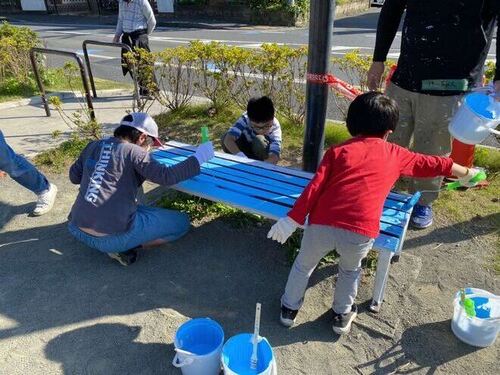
(482, 329)
(476, 119)
(198, 345)
(236, 355)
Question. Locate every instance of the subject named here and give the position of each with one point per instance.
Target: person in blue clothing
(256, 134)
(25, 174)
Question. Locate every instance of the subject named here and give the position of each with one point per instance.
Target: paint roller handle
(478, 175)
(204, 134)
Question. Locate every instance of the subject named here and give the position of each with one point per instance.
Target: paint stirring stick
(255, 341)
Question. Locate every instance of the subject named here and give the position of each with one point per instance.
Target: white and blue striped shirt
(243, 128)
(135, 15)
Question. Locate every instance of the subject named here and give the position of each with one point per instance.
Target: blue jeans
(150, 224)
(20, 169)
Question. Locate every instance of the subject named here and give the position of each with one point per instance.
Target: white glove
(204, 152)
(282, 229)
(241, 155)
(465, 180)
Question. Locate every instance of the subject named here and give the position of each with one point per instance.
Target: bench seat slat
(257, 206)
(385, 242)
(248, 168)
(390, 229)
(288, 171)
(224, 184)
(236, 176)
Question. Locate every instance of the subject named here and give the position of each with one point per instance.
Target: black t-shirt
(442, 40)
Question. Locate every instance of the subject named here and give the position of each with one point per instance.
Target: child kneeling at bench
(105, 215)
(343, 203)
(256, 134)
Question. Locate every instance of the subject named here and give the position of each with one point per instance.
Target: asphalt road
(349, 33)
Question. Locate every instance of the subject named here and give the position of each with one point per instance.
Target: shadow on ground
(109, 349)
(53, 281)
(457, 232)
(425, 347)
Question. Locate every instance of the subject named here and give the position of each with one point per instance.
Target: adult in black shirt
(444, 47)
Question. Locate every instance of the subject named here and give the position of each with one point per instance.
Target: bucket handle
(177, 363)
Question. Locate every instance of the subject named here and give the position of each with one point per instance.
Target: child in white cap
(105, 215)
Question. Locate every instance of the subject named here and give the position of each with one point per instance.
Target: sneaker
(125, 258)
(287, 316)
(421, 216)
(342, 322)
(45, 201)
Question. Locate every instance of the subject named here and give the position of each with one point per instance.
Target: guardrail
(109, 44)
(83, 75)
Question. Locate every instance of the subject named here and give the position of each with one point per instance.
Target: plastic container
(476, 119)
(198, 343)
(481, 330)
(236, 355)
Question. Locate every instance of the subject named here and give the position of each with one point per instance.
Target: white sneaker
(45, 201)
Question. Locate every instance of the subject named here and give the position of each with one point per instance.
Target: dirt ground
(65, 309)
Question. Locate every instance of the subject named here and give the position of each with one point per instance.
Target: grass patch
(488, 158)
(477, 213)
(55, 81)
(58, 160)
(184, 124)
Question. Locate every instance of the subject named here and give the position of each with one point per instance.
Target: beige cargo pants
(423, 127)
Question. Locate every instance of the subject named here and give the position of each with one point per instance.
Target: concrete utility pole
(318, 63)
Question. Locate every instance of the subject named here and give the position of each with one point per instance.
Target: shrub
(15, 45)
(213, 65)
(80, 121)
(354, 66)
(176, 77)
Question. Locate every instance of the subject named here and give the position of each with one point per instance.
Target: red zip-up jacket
(353, 180)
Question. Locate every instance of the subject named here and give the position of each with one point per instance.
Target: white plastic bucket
(481, 330)
(476, 119)
(236, 355)
(198, 344)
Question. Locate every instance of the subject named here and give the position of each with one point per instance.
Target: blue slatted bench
(270, 191)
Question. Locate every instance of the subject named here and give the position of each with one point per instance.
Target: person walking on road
(444, 45)
(136, 21)
(25, 174)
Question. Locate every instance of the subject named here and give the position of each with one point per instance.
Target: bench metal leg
(383, 265)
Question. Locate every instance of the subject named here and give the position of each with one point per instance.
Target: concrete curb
(37, 100)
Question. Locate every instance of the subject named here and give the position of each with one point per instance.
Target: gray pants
(319, 240)
(423, 125)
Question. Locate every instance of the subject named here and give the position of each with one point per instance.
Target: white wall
(165, 6)
(33, 5)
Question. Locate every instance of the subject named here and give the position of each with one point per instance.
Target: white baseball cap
(144, 123)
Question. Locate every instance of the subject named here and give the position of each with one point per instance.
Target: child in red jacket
(343, 203)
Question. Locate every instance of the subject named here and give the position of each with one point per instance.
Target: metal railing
(131, 67)
(83, 75)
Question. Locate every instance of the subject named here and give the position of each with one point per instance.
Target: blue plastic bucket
(198, 344)
(236, 355)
